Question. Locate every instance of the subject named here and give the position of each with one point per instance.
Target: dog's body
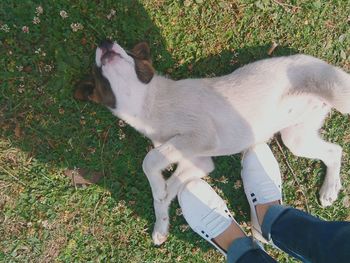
(191, 120)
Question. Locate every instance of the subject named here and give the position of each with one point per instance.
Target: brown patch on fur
(143, 63)
(144, 70)
(95, 88)
(142, 51)
(84, 88)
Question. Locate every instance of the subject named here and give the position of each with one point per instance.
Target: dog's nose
(106, 45)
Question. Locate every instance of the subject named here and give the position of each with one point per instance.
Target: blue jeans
(301, 235)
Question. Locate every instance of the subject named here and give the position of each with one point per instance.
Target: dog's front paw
(158, 237)
(329, 192)
(160, 231)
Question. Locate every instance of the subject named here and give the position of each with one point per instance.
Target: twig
(103, 172)
(4, 186)
(285, 6)
(294, 175)
(14, 177)
(93, 217)
(102, 150)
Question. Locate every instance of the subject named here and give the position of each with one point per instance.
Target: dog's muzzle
(108, 53)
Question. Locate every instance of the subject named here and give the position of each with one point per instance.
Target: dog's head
(115, 69)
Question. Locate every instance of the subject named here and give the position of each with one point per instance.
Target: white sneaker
(205, 211)
(262, 182)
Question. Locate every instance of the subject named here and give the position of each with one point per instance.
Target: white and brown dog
(191, 120)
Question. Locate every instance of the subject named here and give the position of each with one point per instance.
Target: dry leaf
(27, 69)
(18, 130)
(83, 41)
(81, 176)
(272, 48)
(346, 201)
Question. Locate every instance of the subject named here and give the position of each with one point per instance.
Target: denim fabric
(246, 250)
(270, 217)
(308, 238)
(256, 256)
(301, 235)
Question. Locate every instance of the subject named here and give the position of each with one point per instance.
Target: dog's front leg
(175, 150)
(156, 161)
(185, 171)
(160, 158)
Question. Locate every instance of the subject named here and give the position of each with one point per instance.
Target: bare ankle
(261, 210)
(225, 239)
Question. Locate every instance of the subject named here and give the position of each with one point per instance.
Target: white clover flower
(36, 20)
(63, 14)
(237, 184)
(121, 135)
(76, 26)
(25, 29)
(184, 227)
(178, 211)
(47, 68)
(121, 123)
(40, 52)
(39, 10)
(20, 88)
(111, 14)
(5, 28)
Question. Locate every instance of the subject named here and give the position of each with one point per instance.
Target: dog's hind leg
(303, 140)
(185, 171)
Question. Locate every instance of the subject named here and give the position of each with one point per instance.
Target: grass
(44, 131)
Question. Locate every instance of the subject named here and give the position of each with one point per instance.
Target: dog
(191, 120)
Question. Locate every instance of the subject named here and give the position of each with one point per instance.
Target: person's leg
(307, 237)
(247, 250)
(262, 184)
(208, 215)
(295, 232)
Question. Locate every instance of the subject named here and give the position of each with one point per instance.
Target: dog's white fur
(193, 119)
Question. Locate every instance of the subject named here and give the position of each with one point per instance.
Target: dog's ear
(84, 89)
(95, 88)
(142, 51)
(144, 70)
(143, 63)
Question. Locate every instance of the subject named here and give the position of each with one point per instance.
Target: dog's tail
(326, 81)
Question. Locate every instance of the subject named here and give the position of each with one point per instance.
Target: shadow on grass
(64, 133)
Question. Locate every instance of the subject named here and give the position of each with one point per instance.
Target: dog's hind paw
(329, 192)
(159, 238)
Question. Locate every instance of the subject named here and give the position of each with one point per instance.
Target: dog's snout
(108, 56)
(107, 52)
(106, 45)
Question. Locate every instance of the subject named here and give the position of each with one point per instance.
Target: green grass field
(44, 131)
